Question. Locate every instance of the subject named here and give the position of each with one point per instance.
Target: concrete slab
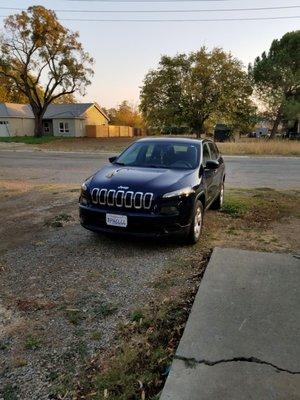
(247, 306)
(243, 330)
(234, 381)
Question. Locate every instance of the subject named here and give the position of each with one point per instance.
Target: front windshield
(153, 154)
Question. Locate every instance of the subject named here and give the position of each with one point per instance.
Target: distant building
(59, 120)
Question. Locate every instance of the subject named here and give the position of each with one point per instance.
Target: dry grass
(261, 148)
(243, 146)
(111, 145)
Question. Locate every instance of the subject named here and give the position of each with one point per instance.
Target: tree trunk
(38, 125)
(276, 123)
(199, 128)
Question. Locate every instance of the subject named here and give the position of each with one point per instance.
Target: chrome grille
(122, 198)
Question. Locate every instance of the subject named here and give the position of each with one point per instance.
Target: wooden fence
(106, 131)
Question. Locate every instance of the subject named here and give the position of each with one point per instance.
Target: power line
(166, 11)
(175, 20)
(145, 1)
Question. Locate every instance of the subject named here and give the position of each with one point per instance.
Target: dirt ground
(64, 291)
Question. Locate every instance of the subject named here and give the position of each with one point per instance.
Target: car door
(218, 172)
(208, 173)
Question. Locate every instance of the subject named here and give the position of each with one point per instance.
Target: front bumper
(139, 224)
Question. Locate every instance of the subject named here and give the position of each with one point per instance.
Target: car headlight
(181, 192)
(85, 185)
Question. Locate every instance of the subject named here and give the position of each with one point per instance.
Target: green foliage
(235, 206)
(32, 343)
(186, 90)
(9, 92)
(276, 75)
(292, 107)
(137, 316)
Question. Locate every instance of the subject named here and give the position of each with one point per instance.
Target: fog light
(84, 201)
(169, 210)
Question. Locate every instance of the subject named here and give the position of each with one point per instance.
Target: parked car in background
(223, 133)
(156, 187)
(291, 135)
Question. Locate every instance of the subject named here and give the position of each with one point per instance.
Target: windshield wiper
(118, 163)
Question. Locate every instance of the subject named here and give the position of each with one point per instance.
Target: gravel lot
(64, 290)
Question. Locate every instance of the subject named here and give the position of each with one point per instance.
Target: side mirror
(112, 159)
(212, 164)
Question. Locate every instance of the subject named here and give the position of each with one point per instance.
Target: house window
(64, 127)
(3, 122)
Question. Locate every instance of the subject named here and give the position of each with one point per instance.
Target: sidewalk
(241, 341)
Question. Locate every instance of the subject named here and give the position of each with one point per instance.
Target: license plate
(116, 220)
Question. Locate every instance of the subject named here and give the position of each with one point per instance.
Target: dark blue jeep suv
(155, 187)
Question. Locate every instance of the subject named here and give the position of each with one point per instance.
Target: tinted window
(216, 149)
(161, 155)
(213, 151)
(206, 154)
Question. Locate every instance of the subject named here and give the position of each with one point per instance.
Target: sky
(125, 51)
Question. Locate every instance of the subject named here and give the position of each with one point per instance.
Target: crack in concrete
(191, 362)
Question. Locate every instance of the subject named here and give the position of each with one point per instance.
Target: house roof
(12, 110)
(75, 110)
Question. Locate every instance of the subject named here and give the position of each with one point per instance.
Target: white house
(59, 119)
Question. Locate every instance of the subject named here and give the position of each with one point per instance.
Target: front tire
(218, 203)
(196, 225)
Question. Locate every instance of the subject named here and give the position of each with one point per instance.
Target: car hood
(142, 179)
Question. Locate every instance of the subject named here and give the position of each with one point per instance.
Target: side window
(217, 150)
(213, 152)
(206, 154)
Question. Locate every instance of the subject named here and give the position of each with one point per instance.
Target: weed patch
(59, 220)
(96, 336)
(74, 316)
(91, 306)
(32, 343)
(139, 366)
(137, 315)
(235, 207)
(10, 392)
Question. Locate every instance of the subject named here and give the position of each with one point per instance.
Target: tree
(186, 90)
(125, 114)
(66, 99)
(276, 75)
(37, 52)
(9, 93)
